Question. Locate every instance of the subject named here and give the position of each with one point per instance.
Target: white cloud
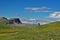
(33, 21)
(55, 15)
(41, 9)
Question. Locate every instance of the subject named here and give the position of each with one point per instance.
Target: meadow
(44, 32)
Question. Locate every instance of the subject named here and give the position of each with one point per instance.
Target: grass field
(44, 32)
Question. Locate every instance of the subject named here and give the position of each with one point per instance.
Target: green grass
(43, 32)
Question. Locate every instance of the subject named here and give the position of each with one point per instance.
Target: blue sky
(48, 10)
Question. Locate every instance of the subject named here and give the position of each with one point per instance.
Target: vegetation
(44, 32)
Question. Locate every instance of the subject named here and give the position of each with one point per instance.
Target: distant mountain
(28, 21)
(3, 18)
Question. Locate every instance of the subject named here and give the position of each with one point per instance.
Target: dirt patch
(6, 33)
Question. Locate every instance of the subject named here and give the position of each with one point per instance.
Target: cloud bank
(55, 15)
(41, 9)
(33, 21)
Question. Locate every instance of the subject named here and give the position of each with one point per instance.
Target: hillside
(44, 32)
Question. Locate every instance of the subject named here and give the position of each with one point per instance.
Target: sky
(47, 10)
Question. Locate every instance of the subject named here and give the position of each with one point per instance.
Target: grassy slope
(44, 32)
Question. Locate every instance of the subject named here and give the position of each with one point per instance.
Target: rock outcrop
(14, 21)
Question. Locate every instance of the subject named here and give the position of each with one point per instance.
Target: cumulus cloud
(55, 15)
(41, 9)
